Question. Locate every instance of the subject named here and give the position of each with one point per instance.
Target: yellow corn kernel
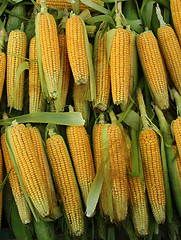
(175, 8)
(30, 169)
(177, 131)
(61, 4)
(76, 50)
(81, 153)
(102, 75)
(50, 52)
(120, 66)
(1, 180)
(35, 91)
(171, 51)
(97, 146)
(19, 197)
(45, 169)
(153, 67)
(178, 161)
(65, 73)
(137, 200)
(16, 51)
(153, 173)
(66, 183)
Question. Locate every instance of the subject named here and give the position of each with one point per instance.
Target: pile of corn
(90, 119)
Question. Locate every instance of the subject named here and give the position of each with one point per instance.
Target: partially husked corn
(61, 4)
(171, 51)
(66, 183)
(19, 197)
(175, 8)
(29, 168)
(120, 66)
(102, 72)
(77, 49)
(35, 90)
(50, 52)
(16, 52)
(153, 173)
(153, 67)
(81, 154)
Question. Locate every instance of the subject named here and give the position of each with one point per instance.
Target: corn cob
(175, 8)
(2, 62)
(102, 74)
(120, 66)
(65, 72)
(117, 166)
(61, 4)
(152, 165)
(81, 153)
(19, 197)
(137, 199)
(45, 169)
(16, 51)
(97, 145)
(66, 182)
(171, 50)
(35, 91)
(178, 160)
(1, 180)
(153, 67)
(29, 167)
(77, 50)
(50, 51)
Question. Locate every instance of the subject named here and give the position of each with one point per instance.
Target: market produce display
(90, 119)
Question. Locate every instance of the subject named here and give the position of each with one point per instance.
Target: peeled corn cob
(35, 91)
(152, 165)
(102, 74)
(61, 4)
(66, 182)
(171, 50)
(50, 51)
(120, 66)
(16, 51)
(45, 169)
(153, 67)
(77, 49)
(2, 61)
(81, 153)
(29, 167)
(175, 8)
(21, 203)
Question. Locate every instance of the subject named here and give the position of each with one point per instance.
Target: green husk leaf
(132, 119)
(130, 10)
(111, 233)
(112, 1)
(136, 25)
(22, 67)
(96, 7)
(20, 230)
(3, 6)
(90, 63)
(128, 226)
(96, 186)
(101, 18)
(110, 35)
(135, 157)
(44, 230)
(14, 161)
(75, 6)
(166, 14)
(4, 181)
(165, 3)
(65, 118)
(146, 12)
(42, 79)
(134, 65)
